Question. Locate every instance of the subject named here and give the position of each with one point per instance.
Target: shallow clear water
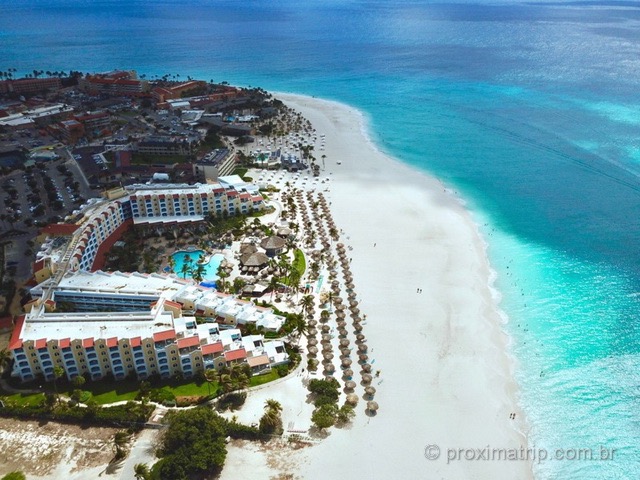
(190, 260)
(530, 110)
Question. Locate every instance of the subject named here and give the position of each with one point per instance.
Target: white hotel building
(137, 324)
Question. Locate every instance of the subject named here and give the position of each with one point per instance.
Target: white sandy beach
(446, 376)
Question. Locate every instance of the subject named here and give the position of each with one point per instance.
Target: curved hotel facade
(126, 324)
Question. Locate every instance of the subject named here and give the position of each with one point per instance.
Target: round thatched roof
(272, 243)
(255, 259)
(248, 248)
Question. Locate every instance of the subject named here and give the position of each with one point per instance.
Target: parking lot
(40, 195)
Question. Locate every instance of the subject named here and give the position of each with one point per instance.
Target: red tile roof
(235, 354)
(136, 342)
(112, 342)
(212, 348)
(257, 361)
(64, 229)
(87, 342)
(189, 342)
(166, 335)
(15, 341)
(41, 343)
(64, 343)
(173, 304)
(39, 265)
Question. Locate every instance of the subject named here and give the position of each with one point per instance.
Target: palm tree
(198, 272)
(141, 471)
(271, 420)
(5, 356)
(324, 316)
(273, 405)
(184, 270)
(298, 324)
(294, 280)
(210, 375)
(58, 371)
(273, 285)
(120, 440)
(306, 303)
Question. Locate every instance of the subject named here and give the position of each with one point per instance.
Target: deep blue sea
(530, 110)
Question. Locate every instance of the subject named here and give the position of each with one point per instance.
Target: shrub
(326, 391)
(282, 370)
(232, 401)
(162, 395)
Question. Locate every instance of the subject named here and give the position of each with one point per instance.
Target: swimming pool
(191, 260)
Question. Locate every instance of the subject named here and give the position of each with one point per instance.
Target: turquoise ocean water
(530, 110)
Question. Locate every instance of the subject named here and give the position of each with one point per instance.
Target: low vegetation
(325, 395)
(51, 408)
(193, 445)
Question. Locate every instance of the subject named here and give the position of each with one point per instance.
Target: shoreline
(364, 168)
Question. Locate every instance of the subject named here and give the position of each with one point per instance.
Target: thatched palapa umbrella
(344, 342)
(363, 357)
(350, 385)
(357, 327)
(346, 362)
(325, 328)
(328, 356)
(372, 407)
(366, 367)
(363, 347)
(366, 379)
(352, 399)
(347, 373)
(313, 351)
(326, 338)
(371, 391)
(313, 341)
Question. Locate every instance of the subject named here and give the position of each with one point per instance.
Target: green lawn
(28, 399)
(262, 379)
(125, 390)
(299, 262)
